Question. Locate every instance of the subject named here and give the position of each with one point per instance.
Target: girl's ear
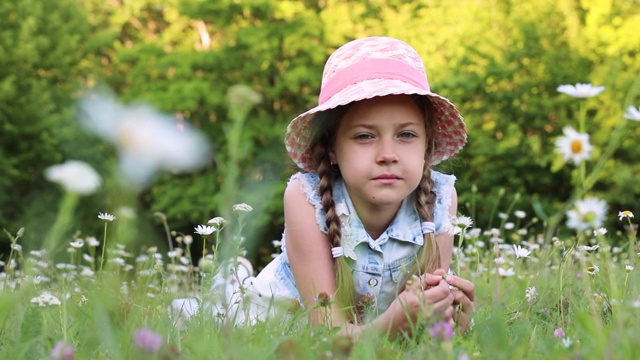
(332, 156)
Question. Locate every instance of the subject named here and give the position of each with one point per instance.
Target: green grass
(98, 312)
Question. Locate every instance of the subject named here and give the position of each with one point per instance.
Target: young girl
(364, 246)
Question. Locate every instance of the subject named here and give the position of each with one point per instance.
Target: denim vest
(378, 265)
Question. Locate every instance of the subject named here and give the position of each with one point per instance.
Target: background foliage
(500, 61)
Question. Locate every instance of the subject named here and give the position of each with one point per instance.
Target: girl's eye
(363, 136)
(407, 134)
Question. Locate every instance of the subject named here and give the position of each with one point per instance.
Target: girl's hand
(464, 295)
(425, 297)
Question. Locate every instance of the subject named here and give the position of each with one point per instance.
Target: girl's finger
(429, 280)
(440, 272)
(460, 298)
(463, 320)
(449, 313)
(463, 285)
(438, 305)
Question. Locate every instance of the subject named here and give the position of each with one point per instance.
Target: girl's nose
(387, 151)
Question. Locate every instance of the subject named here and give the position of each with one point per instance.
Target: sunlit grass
(586, 290)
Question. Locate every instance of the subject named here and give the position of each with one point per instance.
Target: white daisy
(506, 272)
(629, 267)
(78, 243)
(451, 227)
(521, 252)
(599, 232)
(106, 217)
(147, 140)
(74, 176)
(204, 230)
(574, 146)
(531, 293)
(588, 248)
(473, 233)
(86, 271)
(581, 91)
(587, 213)
(38, 253)
(92, 241)
(40, 278)
(632, 113)
(45, 299)
(624, 214)
(593, 269)
(118, 260)
(520, 214)
(463, 222)
(175, 253)
(88, 258)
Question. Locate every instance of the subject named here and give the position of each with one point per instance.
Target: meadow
(559, 287)
(573, 297)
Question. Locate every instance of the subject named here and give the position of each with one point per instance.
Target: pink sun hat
(369, 67)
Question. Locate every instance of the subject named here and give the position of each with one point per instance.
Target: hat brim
(451, 133)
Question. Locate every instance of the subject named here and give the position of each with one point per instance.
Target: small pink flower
(62, 351)
(559, 333)
(441, 330)
(147, 340)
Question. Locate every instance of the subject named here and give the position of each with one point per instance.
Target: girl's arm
(309, 254)
(444, 240)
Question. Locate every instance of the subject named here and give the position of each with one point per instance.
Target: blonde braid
(324, 139)
(428, 258)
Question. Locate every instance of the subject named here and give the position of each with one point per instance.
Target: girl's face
(380, 148)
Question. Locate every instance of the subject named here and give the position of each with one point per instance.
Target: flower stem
(63, 220)
(582, 115)
(495, 205)
(204, 246)
(567, 255)
(632, 242)
(460, 241)
(63, 312)
(626, 277)
(104, 246)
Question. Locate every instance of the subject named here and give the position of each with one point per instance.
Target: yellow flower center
(576, 146)
(626, 213)
(589, 217)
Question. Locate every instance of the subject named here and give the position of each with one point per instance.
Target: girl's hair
(324, 128)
